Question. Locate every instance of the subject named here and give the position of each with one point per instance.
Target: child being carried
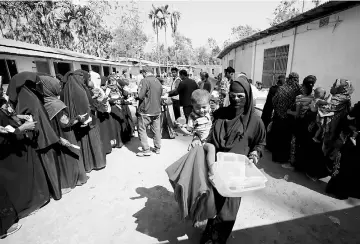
(340, 99)
(199, 122)
(319, 105)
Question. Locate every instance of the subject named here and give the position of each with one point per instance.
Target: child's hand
(195, 143)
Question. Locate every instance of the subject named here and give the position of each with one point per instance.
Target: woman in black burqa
(236, 129)
(71, 166)
(26, 94)
(77, 97)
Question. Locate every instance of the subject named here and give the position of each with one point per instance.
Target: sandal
(15, 227)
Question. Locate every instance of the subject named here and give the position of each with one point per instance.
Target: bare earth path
(131, 201)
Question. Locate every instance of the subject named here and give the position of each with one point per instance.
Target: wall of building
(22, 63)
(243, 59)
(327, 52)
(330, 53)
(227, 58)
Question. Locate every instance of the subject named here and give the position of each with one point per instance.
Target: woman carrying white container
(236, 129)
(239, 130)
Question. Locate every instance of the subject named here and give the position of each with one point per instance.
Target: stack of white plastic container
(235, 176)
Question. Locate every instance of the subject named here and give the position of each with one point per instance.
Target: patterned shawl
(285, 97)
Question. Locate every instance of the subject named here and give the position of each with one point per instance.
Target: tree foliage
(183, 52)
(240, 32)
(129, 38)
(160, 18)
(81, 28)
(285, 11)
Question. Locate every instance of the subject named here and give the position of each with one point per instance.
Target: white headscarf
(95, 78)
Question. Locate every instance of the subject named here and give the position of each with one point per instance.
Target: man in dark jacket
(149, 110)
(184, 90)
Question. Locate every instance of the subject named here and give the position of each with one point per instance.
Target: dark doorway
(95, 68)
(85, 67)
(106, 70)
(61, 68)
(7, 70)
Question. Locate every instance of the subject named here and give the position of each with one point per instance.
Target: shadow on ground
(160, 218)
(276, 171)
(315, 229)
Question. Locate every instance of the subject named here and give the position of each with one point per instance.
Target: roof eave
(325, 9)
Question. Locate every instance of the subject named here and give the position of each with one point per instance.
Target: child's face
(213, 104)
(201, 108)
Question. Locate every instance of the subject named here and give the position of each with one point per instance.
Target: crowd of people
(315, 131)
(62, 128)
(52, 132)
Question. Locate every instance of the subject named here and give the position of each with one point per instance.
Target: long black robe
(8, 214)
(269, 107)
(25, 90)
(240, 133)
(77, 98)
(167, 130)
(105, 131)
(344, 182)
(21, 170)
(71, 165)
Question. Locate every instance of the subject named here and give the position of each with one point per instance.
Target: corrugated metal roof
(325, 9)
(22, 48)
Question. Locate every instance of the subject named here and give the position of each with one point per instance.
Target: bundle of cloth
(192, 189)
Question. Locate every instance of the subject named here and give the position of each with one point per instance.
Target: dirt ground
(131, 201)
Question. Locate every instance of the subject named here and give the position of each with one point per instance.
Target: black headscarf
(75, 92)
(230, 125)
(51, 89)
(25, 90)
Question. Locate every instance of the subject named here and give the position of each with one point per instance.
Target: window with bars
(7, 70)
(275, 64)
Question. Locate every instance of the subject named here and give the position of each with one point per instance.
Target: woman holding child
(236, 129)
(344, 181)
(340, 103)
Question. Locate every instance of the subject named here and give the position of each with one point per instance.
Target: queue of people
(62, 128)
(52, 133)
(315, 131)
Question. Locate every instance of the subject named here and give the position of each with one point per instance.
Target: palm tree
(167, 16)
(156, 17)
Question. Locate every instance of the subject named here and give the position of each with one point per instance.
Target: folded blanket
(192, 189)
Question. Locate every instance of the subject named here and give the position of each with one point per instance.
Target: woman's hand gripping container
(235, 176)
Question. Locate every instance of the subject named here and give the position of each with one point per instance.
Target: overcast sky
(203, 19)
